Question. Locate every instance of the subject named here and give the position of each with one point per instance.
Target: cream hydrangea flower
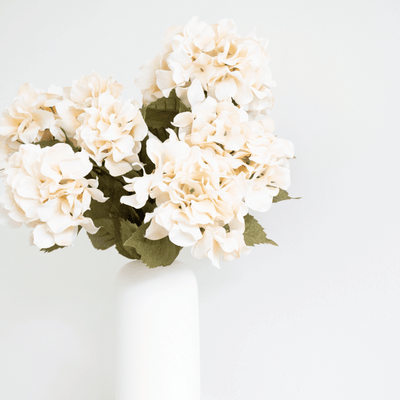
(31, 118)
(83, 93)
(46, 189)
(217, 242)
(86, 91)
(112, 130)
(199, 201)
(249, 147)
(223, 63)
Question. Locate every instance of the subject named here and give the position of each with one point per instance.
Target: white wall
(316, 318)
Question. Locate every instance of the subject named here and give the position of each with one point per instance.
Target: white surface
(316, 318)
(157, 324)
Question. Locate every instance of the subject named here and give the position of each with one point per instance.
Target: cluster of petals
(91, 114)
(46, 189)
(83, 93)
(31, 118)
(86, 91)
(214, 58)
(112, 131)
(247, 146)
(199, 202)
(107, 127)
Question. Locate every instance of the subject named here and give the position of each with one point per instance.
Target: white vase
(158, 351)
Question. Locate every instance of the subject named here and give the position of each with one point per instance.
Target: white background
(316, 318)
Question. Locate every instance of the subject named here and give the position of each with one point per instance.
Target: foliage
(254, 232)
(159, 114)
(154, 253)
(283, 195)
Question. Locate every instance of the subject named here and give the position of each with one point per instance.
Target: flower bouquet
(181, 170)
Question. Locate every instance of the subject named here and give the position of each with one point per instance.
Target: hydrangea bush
(182, 170)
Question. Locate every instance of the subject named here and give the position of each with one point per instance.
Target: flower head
(86, 91)
(224, 64)
(112, 130)
(47, 190)
(249, 147)
(197, 197)
(31, 118)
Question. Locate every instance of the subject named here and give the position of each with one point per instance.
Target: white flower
(218, 242)
(249, 147)
(225, 64)
(112, 130)
(29, 119)
(86, 91)
(46, 189)
(197, 199)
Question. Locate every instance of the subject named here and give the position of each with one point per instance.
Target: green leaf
(52, 248)
(159, 114)
(113, 188)
(254, 232)
(283, 195)
(154, 253)
(48, 143)
(97, 210)
(172, 103)
(112, 232)
(132, 174)
(160, 118)
(105, 236)
(52, 142)
(149, 206)
(118, 221)
(144, 158)
(125, 231)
